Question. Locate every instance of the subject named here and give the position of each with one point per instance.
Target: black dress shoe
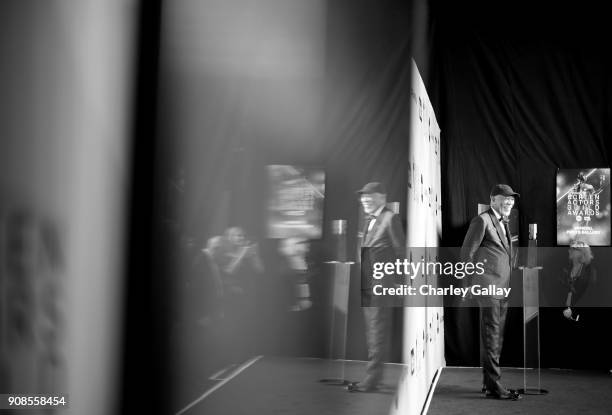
(360, 387)
(509, 395)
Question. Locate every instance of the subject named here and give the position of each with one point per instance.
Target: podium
(531, 332)
(339, 287)
(532, 384)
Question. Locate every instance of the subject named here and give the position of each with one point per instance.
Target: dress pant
(492, 323)
(377, 323)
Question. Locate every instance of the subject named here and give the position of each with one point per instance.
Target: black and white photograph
(395, 207)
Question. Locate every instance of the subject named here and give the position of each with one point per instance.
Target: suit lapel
(374, 229)
(509, 235)
(500, 232)
(366, 233)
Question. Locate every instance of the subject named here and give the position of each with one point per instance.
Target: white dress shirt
(500, 219)
(375, 214)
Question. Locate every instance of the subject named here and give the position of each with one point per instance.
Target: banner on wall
(583, 206)
(423, 334)
(295, 206)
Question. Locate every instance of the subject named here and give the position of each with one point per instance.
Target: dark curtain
(519, 91)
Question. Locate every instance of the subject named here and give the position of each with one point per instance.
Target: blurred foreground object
(66, 73)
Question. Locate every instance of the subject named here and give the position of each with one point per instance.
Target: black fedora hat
(373, 187)
(504, 190)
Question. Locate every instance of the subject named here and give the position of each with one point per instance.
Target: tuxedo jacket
(485, 242)
(381, 244)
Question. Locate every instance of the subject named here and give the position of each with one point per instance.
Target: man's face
(236, 236)
(502, 204)
(372, 201)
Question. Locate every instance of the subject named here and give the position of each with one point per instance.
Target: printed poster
(583, 206)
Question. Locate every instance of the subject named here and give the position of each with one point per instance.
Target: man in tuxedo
(382, 233)
(488, 241)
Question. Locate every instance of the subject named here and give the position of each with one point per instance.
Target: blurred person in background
(241, 262)
(295, 251)
(241, 267)
(583, 345)
(577, 277)
(207, 282)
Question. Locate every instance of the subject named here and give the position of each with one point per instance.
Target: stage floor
(274, 385)
(570, 392)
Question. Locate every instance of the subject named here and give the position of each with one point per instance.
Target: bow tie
(505, 220)
(370, 217)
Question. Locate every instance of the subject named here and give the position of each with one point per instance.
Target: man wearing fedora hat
(488, 241)
(382, 233)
